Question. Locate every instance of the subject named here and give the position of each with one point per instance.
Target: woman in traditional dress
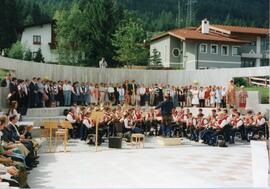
(231, 94)
(212, 97)
(189, 96)
(95, 95)
(218, 97)
(207, 96)
(243, 95)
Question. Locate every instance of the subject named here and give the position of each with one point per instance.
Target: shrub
(16, 51)
(28, 55)
(241, 81)
(39, 57)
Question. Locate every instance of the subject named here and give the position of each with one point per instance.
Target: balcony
(249, 52)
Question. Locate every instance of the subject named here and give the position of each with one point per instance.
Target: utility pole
(189, 12)
(179, 14)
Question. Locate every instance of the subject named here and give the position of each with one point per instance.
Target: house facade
(213, 46)
(41, 36)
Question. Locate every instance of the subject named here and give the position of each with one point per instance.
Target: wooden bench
(137, 140)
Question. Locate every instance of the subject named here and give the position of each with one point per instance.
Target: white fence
(26, 69)
(260, 81)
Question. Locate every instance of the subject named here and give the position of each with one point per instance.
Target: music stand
(97, 116)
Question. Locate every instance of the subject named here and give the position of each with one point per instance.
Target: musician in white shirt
(237, 126)
(260, 126)
(130, 125)
(88, 124)
(73, 118)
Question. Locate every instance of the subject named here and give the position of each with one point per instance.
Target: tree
(28, 20)
(71, 32)
(9, 23)
(102, 19)
(155, 59)
(16, 51)
(39, 57)
(228, 19)
(166, 21)
(128, 40)
(86, 31)
(28, 55)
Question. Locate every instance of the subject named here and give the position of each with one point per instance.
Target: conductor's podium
(168, 141)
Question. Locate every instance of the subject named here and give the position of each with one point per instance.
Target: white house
(41, 36)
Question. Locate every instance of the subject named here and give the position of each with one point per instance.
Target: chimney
(205, 26)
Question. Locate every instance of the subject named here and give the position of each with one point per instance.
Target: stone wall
(26, 69)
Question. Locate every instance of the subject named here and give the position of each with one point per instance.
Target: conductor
(166, 108)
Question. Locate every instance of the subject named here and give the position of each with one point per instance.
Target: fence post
(249, 80)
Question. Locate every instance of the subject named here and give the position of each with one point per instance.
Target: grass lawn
(264, 91)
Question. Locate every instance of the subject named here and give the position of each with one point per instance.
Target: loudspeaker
(115, 142)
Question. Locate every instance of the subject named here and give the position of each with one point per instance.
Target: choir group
(41, 92)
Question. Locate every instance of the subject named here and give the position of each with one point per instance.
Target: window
(203, 48)
(253, 43)
(214, 49)
(225, 50)
(264, 62)
(235, 51)
(36, 39)
(248, 63)
(176, 52)
(34, 54)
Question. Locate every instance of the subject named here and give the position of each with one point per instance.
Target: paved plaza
(187, 165)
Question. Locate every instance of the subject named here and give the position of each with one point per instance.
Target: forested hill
(156, 15)
(160, 15)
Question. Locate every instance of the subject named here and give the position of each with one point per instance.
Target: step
(38, 120)
(46, 112)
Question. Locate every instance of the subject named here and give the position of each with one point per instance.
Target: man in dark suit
(6, 81)
(166, 108)
(13, 90)
(33, 93)
(13, 135)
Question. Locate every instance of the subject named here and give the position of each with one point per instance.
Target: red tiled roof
(239, 29)
(193, 34)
